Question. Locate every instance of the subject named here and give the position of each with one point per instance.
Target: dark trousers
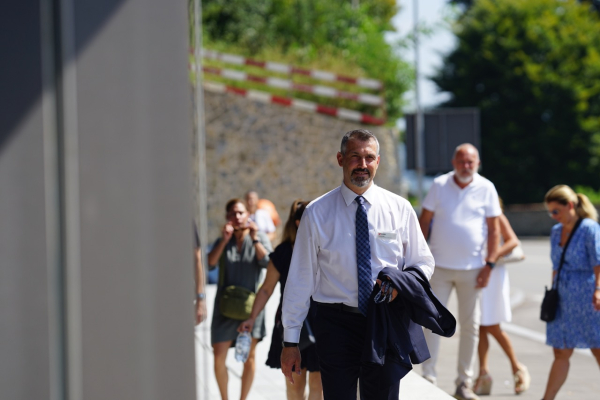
(340, 337)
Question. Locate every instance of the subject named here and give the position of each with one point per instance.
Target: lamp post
(419, 122)
(200, 140)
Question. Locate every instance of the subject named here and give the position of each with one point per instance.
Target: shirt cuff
(291, 335)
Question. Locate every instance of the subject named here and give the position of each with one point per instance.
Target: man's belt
(340, 307)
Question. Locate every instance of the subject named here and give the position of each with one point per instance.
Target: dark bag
(551, 297)
(549, 305)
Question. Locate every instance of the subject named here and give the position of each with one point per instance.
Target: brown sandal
(522, 380)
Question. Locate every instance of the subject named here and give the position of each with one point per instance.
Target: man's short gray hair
(465, 147)
(361, 134)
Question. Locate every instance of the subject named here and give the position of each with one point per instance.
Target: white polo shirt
(263, 221)
(458, 233)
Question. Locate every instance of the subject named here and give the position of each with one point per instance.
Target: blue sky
(431, 50)
(432, 47)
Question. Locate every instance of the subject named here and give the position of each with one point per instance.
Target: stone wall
(282, 153)
(531, 219)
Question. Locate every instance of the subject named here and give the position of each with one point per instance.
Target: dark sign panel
(444, 129)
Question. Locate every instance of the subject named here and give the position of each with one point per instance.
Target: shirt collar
(476, 178)
(370, 195)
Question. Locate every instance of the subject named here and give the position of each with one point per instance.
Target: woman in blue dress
(577, 322)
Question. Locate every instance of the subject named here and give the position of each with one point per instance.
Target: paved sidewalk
(269, 384)
(583, 382)
(526, 332)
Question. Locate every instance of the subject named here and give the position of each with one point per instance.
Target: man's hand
(290, 357)
(394, 291)
(253, 229)
(484, 277)
(200, 310)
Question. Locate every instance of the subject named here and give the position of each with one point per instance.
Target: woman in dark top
(277, 271)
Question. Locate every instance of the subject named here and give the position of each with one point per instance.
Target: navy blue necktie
(363, 256)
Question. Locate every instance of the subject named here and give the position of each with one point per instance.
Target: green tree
(533, 68)
(315, 27)
(468, 3)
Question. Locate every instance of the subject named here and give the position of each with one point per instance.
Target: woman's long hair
(290, 229)
(563, 194)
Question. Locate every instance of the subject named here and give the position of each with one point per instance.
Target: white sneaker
(430, 379)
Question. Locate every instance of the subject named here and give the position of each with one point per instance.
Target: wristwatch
(490, 264)
(255, 241)
(289, 344)
(201, 296)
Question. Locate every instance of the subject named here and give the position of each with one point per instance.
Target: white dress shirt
(324, 259)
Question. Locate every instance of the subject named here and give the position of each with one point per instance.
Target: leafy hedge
(331, 35)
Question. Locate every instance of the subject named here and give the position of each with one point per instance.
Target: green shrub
(326, 34)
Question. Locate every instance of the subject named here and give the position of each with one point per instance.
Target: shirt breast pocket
(385, 246)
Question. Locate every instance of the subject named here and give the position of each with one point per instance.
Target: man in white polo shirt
(460, 216)
(259, 216)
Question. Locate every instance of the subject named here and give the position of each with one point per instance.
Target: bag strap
(562, 257)
(222, 270)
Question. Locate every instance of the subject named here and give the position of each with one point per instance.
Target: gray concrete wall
(96, 275)
(280, 152)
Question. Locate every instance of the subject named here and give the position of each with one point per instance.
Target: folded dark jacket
(396, 326)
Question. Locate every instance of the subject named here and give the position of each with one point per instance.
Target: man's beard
(360, 181)
(463, 179)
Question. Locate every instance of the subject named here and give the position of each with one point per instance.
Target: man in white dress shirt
(461, 211)
(324, 266)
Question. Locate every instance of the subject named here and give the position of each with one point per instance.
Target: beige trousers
(469, 316)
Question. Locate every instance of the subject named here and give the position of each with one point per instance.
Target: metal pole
(200, 130)
(419, 122)
(202, 211)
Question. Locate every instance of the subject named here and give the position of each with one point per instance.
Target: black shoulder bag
(551, 298)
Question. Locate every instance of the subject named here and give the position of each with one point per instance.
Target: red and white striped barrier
(290, 69)
(310, 106)
(279, 83)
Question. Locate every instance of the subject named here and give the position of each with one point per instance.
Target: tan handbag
(515, 255)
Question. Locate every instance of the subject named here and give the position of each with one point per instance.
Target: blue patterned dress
(577, 324)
